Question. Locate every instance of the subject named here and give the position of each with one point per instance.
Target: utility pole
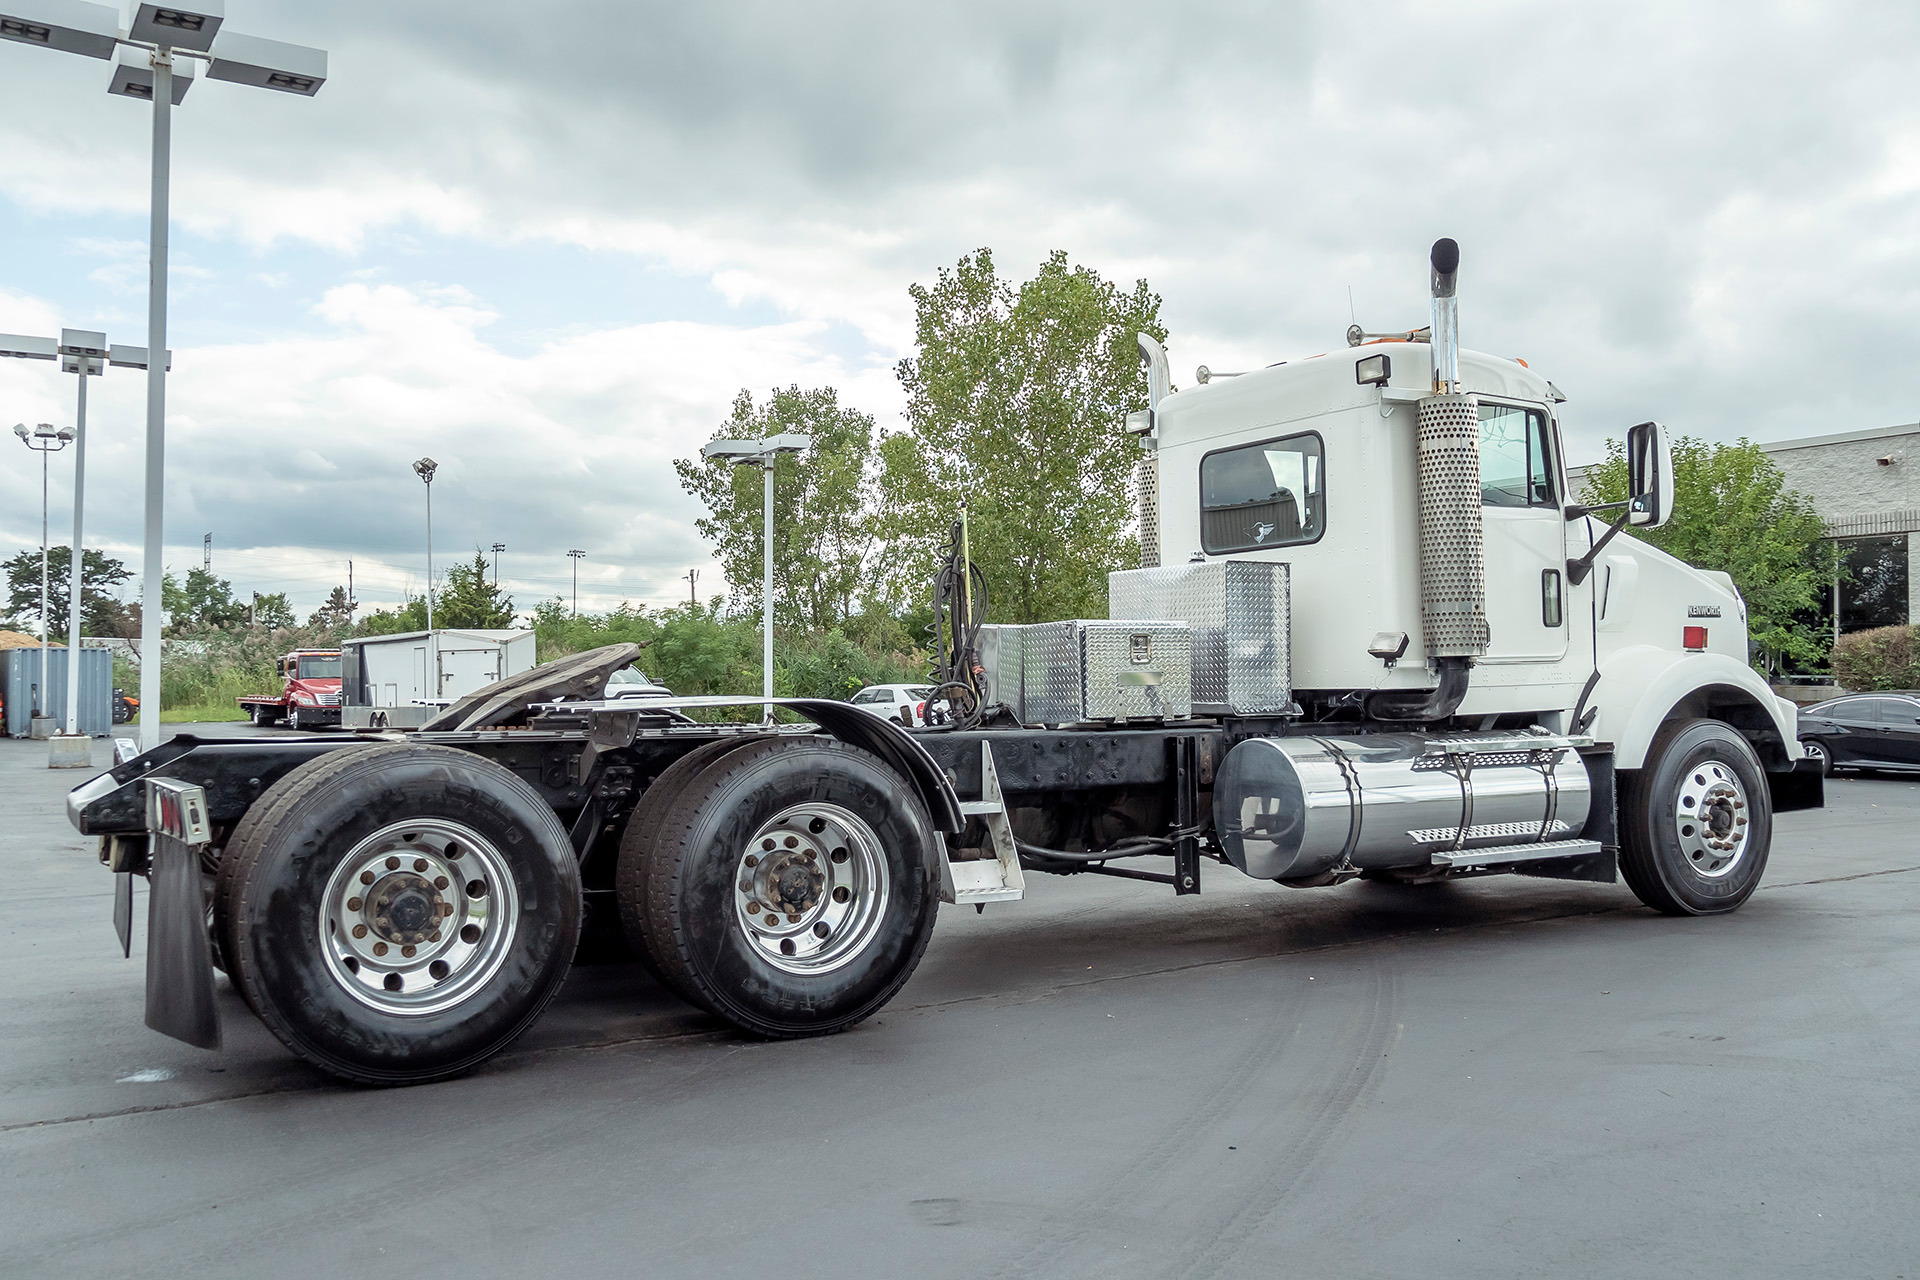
(349, 585)
(206, 554)
(498, 547)
(693, 592)
(574, 556)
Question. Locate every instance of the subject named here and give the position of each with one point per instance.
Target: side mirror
(1649, 476)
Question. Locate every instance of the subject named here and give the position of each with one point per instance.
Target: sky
(546, 245)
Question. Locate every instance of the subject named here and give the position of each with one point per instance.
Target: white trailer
(400, 681)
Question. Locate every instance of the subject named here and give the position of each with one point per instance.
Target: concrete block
(71, 751)
(41, 727)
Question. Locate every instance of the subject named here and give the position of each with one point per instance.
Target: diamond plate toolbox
(1239, 613)
(1105, 670)
(1000, 654)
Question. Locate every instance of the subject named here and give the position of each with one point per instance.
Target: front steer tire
(1673, 863)
(449, 865)
(826, 832)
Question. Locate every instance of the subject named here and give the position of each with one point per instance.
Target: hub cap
(1711, 818)
(418, 916)
(810, 888)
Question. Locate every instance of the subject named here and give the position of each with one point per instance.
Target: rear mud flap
(180, 993)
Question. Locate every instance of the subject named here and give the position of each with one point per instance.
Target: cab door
(1524, 532)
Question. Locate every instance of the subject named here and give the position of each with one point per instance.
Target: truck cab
(309, 694)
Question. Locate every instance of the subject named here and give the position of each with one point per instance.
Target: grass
(202, 713)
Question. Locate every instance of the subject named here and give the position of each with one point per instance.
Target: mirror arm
(1577, 570)
(1574, 512)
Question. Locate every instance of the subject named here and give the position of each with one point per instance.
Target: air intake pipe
(1453, 591)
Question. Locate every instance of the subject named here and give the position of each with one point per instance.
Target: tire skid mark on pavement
(1358, 1049)
(1069, 1226)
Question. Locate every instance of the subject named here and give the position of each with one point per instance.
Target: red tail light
(1694, 637)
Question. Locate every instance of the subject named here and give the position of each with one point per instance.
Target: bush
(1883, 658)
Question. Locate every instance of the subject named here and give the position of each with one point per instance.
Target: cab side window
(1255, 496)
(1516, 457)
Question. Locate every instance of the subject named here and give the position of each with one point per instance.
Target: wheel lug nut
(753, 908)
(379, 948)
(419, 864)
(359, 931)
(434, 936)
(353, 904)
(407, 951)
(393, 864)
(753, 859)
(439, 882)
(366, 877)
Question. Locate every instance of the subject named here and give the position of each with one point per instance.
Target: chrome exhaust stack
(1445, 261)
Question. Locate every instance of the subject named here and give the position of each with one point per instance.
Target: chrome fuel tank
(1293, 808)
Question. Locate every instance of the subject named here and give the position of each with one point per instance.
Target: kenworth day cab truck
(1391, 647)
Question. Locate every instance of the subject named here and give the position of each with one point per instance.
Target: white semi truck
(1387, 644)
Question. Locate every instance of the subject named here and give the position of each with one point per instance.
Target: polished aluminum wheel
(418, 916)
(1711, 818)
(810, 888)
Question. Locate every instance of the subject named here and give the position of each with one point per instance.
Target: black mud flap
(1802, 787)
(180, 994)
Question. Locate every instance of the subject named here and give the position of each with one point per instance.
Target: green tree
(1733, 512)
(101, 612)
(823, 531)
(470, 600)
(410, 616)
(203, 601)
(272, 611)
(336, 612)
(1015, 401)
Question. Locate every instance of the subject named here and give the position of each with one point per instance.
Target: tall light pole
(43, 440)
(761, 454)
(146, 67)
(574, 556)
(498, 547)
(425, 469)
(86, 353)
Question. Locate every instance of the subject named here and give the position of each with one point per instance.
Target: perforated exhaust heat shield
(1453, 588)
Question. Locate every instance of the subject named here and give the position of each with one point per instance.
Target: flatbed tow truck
(1397, 650)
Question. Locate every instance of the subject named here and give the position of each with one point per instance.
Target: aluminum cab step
(1499, 855)
(984, 880)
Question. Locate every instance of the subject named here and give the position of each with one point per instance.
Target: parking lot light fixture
(163, 40)
(574, 555)
(762, 454)
(425, 469)
(44, 439)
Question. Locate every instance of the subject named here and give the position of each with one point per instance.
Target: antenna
(1352, 315)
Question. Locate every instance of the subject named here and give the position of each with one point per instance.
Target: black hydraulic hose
(1138, 847)
(1423, 704)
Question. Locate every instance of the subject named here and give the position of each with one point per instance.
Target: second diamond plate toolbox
(1104, 670)
(1238, 612)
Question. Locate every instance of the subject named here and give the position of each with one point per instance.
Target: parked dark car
(1864, 731)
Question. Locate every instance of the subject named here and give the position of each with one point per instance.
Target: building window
(1872, 590)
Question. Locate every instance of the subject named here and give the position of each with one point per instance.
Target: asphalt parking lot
(1500, 1078)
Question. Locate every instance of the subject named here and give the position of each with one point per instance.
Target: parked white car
(906, 703)
(632, 682)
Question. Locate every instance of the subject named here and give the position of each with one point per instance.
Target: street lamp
(574, 556)
(498, 547)
(145, 67)
(425, 469)
(43, 440)
(761, 454)
(85, 353)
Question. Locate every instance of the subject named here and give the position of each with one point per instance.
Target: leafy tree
(101, 613)
(823, 531)
(336, 612)
(470, 600)
(272, 611)
(410, 616)
(1733, 512)
(1015, 401)
(203, 601)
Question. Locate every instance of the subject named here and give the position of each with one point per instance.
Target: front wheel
(1696, 821)
(790, 887)
(398, 913)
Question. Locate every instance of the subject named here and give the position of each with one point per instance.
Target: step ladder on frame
(984, 880)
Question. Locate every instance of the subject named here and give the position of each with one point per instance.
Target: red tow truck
(310, 693)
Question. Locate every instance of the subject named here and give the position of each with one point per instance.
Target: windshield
(629, 675)
(320, 668)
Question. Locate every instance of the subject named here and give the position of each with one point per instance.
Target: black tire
(636, 850)
(282, 871)
(680, 887)
(1690, 879)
